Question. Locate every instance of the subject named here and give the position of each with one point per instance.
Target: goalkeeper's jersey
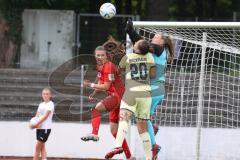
(160, 63)
(158, 83)
(137, 71)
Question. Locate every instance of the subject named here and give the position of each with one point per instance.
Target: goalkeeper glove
(129, 26)
(134, 36)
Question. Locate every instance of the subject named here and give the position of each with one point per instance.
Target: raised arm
(134, 36)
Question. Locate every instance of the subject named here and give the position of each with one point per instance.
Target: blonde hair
(168, 44)
(100, 48)
(47, 89)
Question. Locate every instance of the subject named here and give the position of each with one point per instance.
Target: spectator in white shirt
(44, 124)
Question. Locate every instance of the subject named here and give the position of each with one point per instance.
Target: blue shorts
(157, 94)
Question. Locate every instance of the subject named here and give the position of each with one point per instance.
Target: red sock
(125, 147)
(96, 120)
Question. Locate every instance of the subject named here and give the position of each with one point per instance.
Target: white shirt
(42, 109)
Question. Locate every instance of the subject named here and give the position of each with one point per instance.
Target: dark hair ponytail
(144, 47)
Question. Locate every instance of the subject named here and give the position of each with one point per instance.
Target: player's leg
(42, 137)
(39, 144)
(44, 152)
(151, 132)
(155, 147)
(146, 140)
(96, 117)
(127, 108)
(155, 102)
(38, 149)
(143, 115)
(107, 104)
(95, 121)
(114, 119)
(121, 133)
(157, 94)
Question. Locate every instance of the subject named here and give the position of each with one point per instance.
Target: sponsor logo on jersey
(111, 77)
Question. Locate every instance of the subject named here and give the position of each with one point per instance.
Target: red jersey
(110, 73)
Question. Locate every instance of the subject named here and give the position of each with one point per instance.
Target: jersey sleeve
(123, 62)
(50, 107)
(109, 72)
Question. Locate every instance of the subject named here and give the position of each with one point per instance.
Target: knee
(142, 126)
(38, 146)
(100, 107)
(141, 130)
(124, 116)
(113, 131)
(113, 128)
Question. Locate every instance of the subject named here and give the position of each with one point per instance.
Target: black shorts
(42, 134)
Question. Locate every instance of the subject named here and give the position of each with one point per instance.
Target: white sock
(147, 145)
(121, 133)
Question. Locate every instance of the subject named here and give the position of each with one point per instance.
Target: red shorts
(112, 105)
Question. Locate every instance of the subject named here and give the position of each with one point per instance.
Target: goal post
(205, 84)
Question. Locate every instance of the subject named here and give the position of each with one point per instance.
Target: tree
(119, 6)
(128, 7)
(203, 10)
(157, 10)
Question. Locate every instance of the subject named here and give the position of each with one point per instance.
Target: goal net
(200, 115)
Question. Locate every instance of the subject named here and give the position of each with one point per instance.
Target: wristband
(92, 85)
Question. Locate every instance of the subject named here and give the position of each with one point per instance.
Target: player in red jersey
(110, 81)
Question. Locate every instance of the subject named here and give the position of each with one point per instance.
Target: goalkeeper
(162, 49)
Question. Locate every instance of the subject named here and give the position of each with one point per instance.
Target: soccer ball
(34, 121)
(107, 10)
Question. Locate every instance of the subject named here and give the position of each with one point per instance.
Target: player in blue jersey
(162, 50)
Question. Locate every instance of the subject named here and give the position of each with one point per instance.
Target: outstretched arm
(134, 36)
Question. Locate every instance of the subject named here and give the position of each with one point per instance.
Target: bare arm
(134, 36)
(96, 91)
(41, 120)
(105, 86)
(37, 114)
(152, 72)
